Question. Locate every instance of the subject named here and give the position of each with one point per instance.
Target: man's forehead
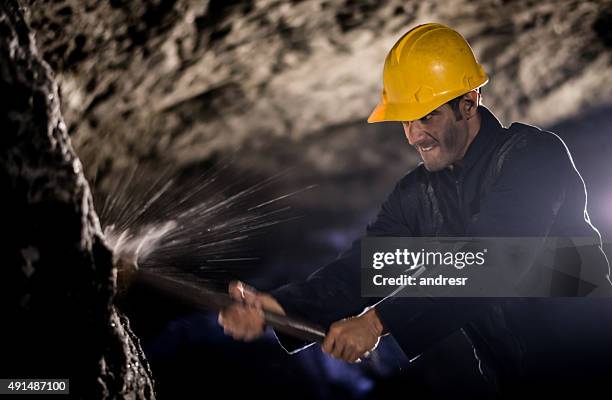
(436, 110)
(439, 109)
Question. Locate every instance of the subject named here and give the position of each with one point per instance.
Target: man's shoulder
(529, 139)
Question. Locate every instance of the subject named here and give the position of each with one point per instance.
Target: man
(477, 179)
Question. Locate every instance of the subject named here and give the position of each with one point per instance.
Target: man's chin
(435, 159)
(434, 166)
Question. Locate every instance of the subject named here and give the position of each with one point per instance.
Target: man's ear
(470, 104)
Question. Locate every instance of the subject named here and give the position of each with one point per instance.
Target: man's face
(439, 137)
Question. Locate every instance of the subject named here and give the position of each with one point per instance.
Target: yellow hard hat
(427, 67)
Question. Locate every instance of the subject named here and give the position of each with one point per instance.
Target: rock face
(56, 279)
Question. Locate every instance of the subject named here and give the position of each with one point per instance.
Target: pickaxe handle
(203, 298)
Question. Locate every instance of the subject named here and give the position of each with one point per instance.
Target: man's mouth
(427, 147)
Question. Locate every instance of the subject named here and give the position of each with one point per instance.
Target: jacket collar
(489, 128)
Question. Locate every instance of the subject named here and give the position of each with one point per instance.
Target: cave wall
(56, 277)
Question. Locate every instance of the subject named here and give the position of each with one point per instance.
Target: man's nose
(413, 131)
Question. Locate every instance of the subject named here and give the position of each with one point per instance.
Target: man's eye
(426, 118)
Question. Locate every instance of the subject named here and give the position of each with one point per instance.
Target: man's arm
(333, 293)
(530, 188)
(330, 294)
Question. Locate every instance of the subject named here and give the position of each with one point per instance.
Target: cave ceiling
(276, 84)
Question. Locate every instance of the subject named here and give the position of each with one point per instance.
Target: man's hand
(354, 338)
(245, 319)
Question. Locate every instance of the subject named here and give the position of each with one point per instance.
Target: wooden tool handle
(203, 298)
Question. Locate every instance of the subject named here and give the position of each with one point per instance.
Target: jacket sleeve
(334, 291)
(529, 190)
(523, 201)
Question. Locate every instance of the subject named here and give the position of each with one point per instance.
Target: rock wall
(56, 277)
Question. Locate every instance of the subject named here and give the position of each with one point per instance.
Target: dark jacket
(519, 181)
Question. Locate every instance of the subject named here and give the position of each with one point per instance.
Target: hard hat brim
(402, 112)
(385, 112)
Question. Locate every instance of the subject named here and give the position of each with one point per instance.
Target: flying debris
(199, 227)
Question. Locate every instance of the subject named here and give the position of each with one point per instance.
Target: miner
(477, 178)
